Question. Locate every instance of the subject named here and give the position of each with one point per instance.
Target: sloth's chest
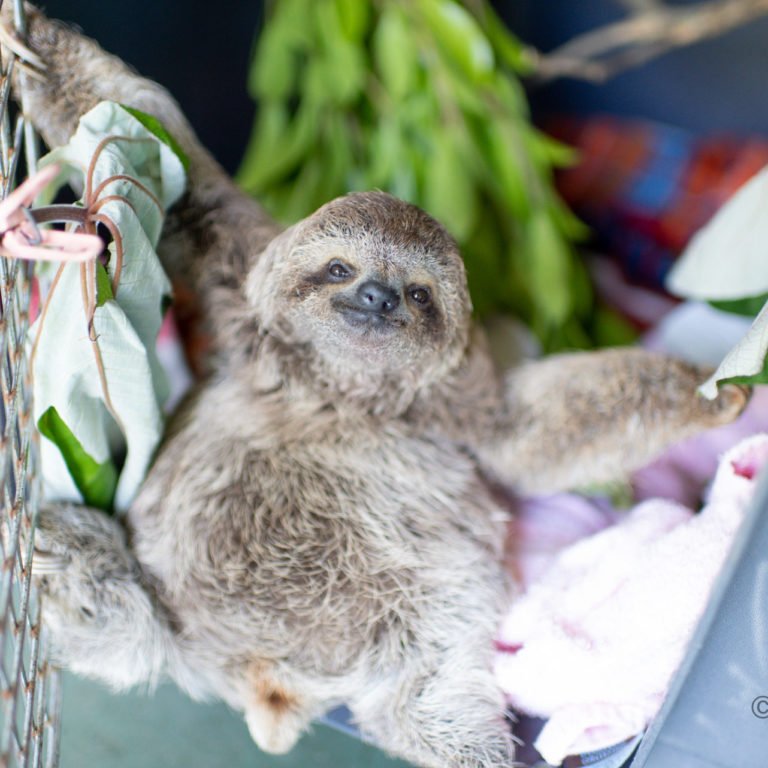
(380, 483)
(354, 502)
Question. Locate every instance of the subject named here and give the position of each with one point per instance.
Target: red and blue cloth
(645, 188)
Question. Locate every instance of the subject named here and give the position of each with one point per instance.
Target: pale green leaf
(67, 377)
(745, 360)
(548, 151)
(385, 150)
(509, 48)
(510, 166)
(728, 258)
(153, 164)
(337, 75)
(69, 367)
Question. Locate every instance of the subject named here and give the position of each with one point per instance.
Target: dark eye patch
(420, 295)
(335, 271)
(432, 322)
(339, 272)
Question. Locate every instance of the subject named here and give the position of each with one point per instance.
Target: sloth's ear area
(264, 281)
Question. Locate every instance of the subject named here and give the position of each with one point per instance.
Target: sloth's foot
(102, 620)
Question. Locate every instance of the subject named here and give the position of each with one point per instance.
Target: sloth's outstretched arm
(587, 417)
(212, 233)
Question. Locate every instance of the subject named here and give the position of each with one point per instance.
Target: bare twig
(638, 6)
(651, 29)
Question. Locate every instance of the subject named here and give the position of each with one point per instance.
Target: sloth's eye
(338, 271)
(419, 294)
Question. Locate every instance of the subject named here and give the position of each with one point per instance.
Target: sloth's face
(374, 284)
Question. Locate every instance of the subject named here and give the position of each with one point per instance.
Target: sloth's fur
(320, 524)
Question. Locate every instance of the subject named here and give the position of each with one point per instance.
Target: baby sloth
(319, 525)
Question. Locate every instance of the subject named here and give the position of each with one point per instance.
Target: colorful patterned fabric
(645, 188)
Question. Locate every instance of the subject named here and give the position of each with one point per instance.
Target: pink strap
(21, 239)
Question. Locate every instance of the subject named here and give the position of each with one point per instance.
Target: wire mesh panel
(29, 686)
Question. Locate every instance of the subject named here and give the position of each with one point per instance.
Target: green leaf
(508, 47)
(354, 17)
(487, 269)
(510, 94)
(508, 163)
(278, 145)
(449, 194)
(385, 150)
(549, 152)
(403, 183)
(336, 73)
(566, 221)
(338, 139)
(548, 268)
(96, 481)
(469, 98)
(394, 54)
(748, 307)
(335, 78)
(103, 285)
(273, 72)
(156, 128)
(305, 194)
(610, 329)
(460, 37)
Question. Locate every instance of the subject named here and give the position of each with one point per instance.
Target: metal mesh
(29, 686)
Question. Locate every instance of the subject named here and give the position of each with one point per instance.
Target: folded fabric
(644, 188)
(594, 640)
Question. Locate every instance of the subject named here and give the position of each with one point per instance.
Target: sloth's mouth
(365, 319)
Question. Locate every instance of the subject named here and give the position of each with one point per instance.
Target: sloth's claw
(29, 60)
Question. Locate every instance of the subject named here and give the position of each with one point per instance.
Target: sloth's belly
(343, 540)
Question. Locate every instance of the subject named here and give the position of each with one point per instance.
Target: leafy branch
(422, 99)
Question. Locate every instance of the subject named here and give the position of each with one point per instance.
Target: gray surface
(166, 729)
(708, 720)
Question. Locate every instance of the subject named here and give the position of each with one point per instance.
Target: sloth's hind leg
(449, 714)
(104, 621)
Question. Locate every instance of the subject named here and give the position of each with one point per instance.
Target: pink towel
(594, 640)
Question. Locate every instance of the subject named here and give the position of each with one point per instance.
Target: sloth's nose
(373, 296)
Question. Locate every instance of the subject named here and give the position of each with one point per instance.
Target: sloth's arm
(198, 236)
(575, 419)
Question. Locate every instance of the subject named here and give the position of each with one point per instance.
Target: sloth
(322, 523)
